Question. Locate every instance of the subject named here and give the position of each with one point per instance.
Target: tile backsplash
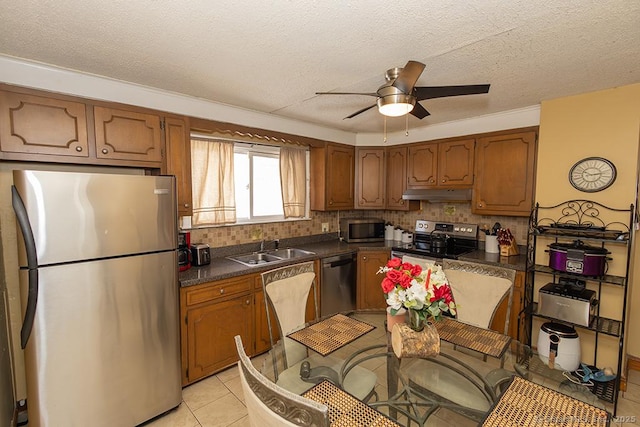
(449, 212)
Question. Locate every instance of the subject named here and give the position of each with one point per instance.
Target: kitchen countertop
(223, 268)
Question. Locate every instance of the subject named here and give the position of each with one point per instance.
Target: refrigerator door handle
(32, 264)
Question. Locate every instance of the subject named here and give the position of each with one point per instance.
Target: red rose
(395, 275)
(394, 262)
(416, 270)
(405, 281)
(387, 285)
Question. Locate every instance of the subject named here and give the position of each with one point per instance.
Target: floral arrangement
(424, 291)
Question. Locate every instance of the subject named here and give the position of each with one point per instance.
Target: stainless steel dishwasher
(338, 287)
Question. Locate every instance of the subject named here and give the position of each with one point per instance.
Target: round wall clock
(592, 174)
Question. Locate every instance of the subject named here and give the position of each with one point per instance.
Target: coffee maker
(184, 251)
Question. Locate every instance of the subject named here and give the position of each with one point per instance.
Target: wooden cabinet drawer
(219, 289)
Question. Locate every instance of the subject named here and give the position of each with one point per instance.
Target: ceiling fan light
(396, 105)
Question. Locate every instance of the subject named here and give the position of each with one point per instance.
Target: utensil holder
(491, 245)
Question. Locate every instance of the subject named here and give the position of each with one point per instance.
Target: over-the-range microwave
(362, 229)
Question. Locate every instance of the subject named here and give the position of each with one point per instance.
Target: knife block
(509, 250)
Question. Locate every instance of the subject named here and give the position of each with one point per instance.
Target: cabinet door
(397, 180)
(422, 168)
(370, 178)
(505, 174)
(128, 135)
(38, 125)
(369, 291)
(210, 332)
(340, 177)
(178, 161)
(262, 327)
(455, 163)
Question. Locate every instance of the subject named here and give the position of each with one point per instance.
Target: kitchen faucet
(276, 242)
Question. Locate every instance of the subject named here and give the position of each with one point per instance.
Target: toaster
(200, 254)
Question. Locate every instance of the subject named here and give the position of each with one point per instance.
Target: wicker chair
(270, 405)
(286, 291)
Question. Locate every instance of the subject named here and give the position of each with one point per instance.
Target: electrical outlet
(325, 227)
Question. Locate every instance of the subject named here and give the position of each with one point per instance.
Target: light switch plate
(325, 227)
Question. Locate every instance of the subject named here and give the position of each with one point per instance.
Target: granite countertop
(224, 268)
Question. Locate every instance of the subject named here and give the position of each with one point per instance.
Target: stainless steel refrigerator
(99, 291)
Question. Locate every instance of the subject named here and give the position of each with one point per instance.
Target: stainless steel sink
(260, 258)
(255, 259)
(289, 253)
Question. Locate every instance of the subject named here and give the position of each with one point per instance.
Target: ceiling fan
(399, 95)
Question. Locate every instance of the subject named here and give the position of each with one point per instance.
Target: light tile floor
(217, 401)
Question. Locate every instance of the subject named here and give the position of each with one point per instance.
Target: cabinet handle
(402, 202)
(444, 180)
(78, 149)
(221, 291)
(479, 205)
(186, 205)
(247, 302)
(432, 181)
(105, 151)
(364, 258)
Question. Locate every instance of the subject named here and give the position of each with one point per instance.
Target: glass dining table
(466, 383)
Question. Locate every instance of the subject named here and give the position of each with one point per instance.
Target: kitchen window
(254, 194)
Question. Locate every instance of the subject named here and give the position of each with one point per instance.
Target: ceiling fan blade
(408, 77)
(360, 111)
(419, 111)
(346, 93)
(430, 92)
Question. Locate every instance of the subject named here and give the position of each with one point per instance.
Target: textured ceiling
(272, 56)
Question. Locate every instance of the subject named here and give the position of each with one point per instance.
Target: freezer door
(104, 350)
(80, 216)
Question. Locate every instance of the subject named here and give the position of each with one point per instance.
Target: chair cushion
(477, 295)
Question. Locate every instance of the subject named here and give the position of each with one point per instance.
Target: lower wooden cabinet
(369, 292)
(213, 313)
(210, 332)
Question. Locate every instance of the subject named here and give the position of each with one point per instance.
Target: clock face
(592, 174)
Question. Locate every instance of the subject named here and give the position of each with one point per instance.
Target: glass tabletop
(458, 382)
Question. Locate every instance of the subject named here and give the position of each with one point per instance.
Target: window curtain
(293, 175)
(213, 193)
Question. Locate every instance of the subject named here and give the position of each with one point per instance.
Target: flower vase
(416, 320)
(399, 317)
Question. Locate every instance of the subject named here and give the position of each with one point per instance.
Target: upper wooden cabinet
(370, 178)
(446, 164)
(127, 135)
(42, 127)
(32, 124)
(505, 174)
(332, 177)
(178, 161)
(396, 173)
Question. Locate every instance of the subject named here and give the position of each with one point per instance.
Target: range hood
(458, 195)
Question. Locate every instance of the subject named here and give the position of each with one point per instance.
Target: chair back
(270, 405)
(286, 291)
(478, 290)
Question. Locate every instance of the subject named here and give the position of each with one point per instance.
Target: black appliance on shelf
(439, 240)
(184, 250)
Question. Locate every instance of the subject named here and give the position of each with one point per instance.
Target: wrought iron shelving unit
(597, 224)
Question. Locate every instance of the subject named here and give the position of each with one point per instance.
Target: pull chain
(406, 125)
(385, 129)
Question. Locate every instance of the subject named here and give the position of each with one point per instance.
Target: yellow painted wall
(606, 124)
